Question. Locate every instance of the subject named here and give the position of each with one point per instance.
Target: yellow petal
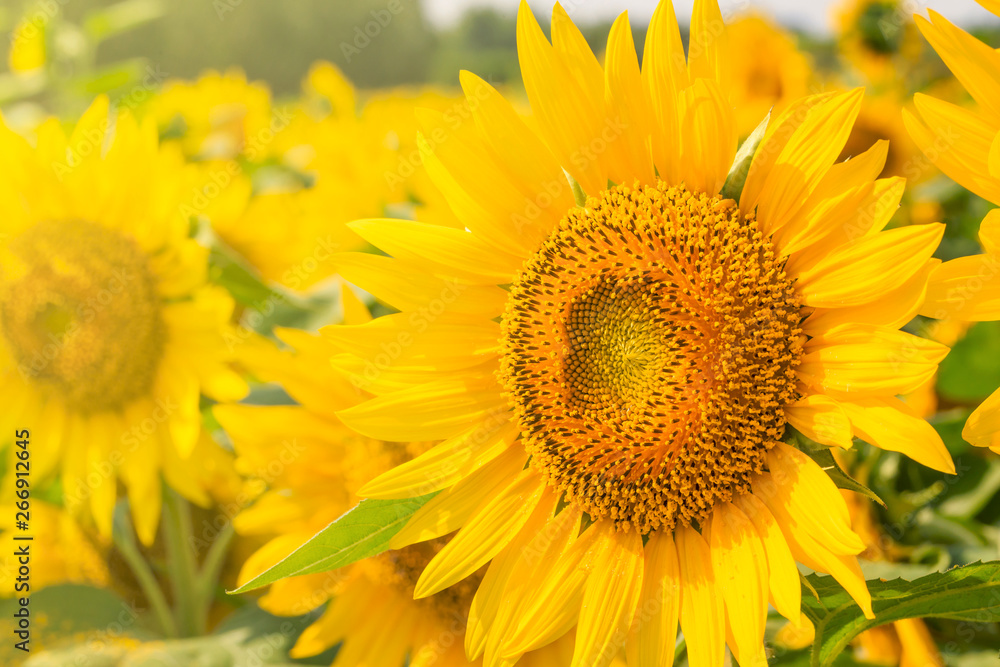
(806, 158)
(974, 64)
(963, 160)
(740, 567)
(452, 508)
(888, 423)
(966, 288)
(779, 132)
(541, 177)
(665, 75)
(821, 419)
(611, 596)
(432, 411)
(407, 286)
(653, 635)
(554, 607)
(891, 311)
(806, 494)
(501, 589)
(455, 249)
(702, 617)
(417, 341)
(863, 271)
(884, 366)
(983, 425)
(708, 46)
(812, 553)
(489, 530)
(445, 464)
(565, 113)
(708, 136)
(783, 576)
(628, 101)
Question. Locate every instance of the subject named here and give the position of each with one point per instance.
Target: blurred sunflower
(629, 362)
(961, 142)
(312, 467)
(878, 38)
(219, 116)
(109, 332)
(330, 160)
(771, 71)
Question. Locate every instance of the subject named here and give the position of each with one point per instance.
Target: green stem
(182, 563)
(210, 569)
(125, 543)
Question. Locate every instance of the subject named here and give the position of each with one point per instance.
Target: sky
(812, 15)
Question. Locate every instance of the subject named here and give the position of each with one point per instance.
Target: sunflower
(220, 115)
(878, 38)
(771, 72)
(110, 333)
(328, 159)
(612, 348)
(960, 141)
(312, 467)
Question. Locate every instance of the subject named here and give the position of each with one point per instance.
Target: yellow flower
(342, 164)
(770, 72)
(878, 38)
(312, 466)
(110, 333)
(628, 363)
(221, 115)
(961, 142)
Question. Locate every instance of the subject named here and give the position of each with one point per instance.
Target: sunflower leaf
(733, 187)
(969, 593)
(362, 532)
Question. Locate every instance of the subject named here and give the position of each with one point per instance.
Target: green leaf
(100, 24)
(362, 532)
(733, 187)
(969, 593)
(824, 457)
(971, 371)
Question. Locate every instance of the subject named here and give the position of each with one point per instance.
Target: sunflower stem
(182, 564)
(210, 569)
(125, 542)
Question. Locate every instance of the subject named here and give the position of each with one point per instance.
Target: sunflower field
(332, 333)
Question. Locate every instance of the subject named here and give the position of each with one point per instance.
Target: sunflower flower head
(616, 342)
(109, 332)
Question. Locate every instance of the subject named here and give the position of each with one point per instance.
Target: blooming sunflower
(612, 373)
(961, 142)
(110, 333)
(312, 467)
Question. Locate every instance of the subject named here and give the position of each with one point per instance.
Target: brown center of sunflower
(648, 349)
(80, 313)
(403, 567)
